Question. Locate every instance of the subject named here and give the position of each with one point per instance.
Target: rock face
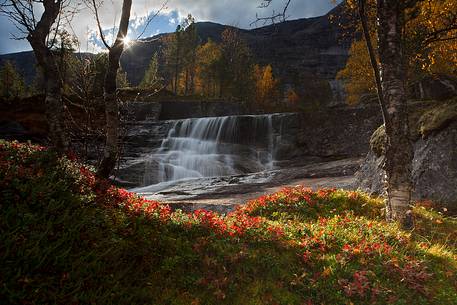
(434, 168)
(176, 109)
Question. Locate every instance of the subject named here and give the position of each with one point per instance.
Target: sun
(127, 41)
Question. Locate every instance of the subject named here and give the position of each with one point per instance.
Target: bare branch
(150, 18)
(281, 16)
(97, 19)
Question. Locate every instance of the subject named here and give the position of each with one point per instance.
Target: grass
(69, 238)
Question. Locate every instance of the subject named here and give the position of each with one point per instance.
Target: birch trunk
(111, 152)
(399, 152)
(48, 66)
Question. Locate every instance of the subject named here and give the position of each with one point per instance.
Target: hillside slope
(69, 238)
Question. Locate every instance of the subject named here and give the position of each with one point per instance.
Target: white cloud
(233, 12)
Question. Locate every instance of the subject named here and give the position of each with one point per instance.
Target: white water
(216, 146)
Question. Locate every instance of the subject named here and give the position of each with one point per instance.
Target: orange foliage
(292, 97)
(430, 45)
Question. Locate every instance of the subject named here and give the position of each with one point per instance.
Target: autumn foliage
(71, 238)
(430, 45)
(266, 86)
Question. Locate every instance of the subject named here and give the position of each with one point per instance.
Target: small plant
(69, 237)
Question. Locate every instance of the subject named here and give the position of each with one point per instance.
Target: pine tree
(11, 82)
(121, 78)
(151, 76)
(190, 44)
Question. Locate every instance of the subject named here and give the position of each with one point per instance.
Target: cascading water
(216, 146)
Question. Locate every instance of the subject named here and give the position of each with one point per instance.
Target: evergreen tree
(190, 44)
(180, 56)
(151, 76)
(11, 82)
(121, 79)
(172, 53)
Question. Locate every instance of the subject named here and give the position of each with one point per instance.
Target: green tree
(236, 66)
(208, 69)
(151, 76)
(172, 53)
(121, 79)
(180, 53)
(11, 82)
(190, 45)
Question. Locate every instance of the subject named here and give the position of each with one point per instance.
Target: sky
(240, 13)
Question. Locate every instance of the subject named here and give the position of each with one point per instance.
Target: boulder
(434, 168)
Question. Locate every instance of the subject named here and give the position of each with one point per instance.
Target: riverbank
(223, 194)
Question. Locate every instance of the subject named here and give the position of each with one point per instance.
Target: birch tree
(39, 21)
(111, 151)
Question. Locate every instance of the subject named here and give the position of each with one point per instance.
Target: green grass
(69, 238)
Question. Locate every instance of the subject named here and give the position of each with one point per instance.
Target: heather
(71, 238)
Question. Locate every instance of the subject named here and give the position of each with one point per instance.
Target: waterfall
(216, 146)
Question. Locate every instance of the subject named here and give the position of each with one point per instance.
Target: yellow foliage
(435, 25)
(358, 74)
(266, 86)
(207, 80)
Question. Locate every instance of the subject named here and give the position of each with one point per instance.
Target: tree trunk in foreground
(53, 86)
(111, 152)
(399, 151)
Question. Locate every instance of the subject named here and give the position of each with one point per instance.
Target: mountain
(304, 53)
(25, 64)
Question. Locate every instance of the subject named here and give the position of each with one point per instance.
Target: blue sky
(232, 12)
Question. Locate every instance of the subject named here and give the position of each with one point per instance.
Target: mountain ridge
(305, 54)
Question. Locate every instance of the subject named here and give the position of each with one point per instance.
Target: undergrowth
(70, 238)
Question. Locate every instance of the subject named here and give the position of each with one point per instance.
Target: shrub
(70, 238)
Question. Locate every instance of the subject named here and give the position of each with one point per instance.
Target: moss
(378, 141)
(422, 123)
(438, 117)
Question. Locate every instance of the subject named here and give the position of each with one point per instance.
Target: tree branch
(274, 16)
(374, 63)
(100, 30)
(150, 18)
